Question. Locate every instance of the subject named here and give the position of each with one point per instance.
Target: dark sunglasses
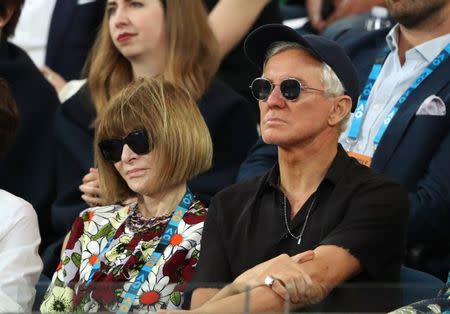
(137, 140)
(290, 88)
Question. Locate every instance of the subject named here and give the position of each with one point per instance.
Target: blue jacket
(415, 149)
(73, 28)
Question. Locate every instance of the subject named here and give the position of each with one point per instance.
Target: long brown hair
(192, 60)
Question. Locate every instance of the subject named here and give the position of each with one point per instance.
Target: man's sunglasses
(137, 140)
(290, 88)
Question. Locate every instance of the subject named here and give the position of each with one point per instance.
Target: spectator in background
(61, 37)
(410, 102)
(332, 17)
(230, 21)
(150, 139)
(27, 170)
(414, 148)
(20, 264)
(148, 40)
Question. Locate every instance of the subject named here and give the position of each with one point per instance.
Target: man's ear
(4, 19)
(340, 109)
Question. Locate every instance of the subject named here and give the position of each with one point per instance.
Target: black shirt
(356, 209)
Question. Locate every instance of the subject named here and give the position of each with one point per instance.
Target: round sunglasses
(290, 88)
(137, 140)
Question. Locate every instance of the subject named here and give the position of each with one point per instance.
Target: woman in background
(145, 38)
(150, 140)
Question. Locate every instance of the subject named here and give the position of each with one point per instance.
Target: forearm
(203, 296)
(244, 15)
(234, 299)
(237, 303)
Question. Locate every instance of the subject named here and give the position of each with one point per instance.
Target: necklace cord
(300, 236)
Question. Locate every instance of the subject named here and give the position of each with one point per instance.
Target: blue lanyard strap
(171, 228)
(355, 127)
(360, 110)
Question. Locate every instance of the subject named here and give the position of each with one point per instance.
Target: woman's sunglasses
(137, 140)
(290, 88)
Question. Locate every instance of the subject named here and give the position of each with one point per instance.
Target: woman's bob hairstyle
(181, 141)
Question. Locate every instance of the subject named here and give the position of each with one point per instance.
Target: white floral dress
(131, 242)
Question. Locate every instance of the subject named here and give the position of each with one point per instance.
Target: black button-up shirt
(355, 208)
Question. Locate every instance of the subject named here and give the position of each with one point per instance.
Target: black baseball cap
(259, 41)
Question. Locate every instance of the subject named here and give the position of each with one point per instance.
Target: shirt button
(376, 107)
(360, 147)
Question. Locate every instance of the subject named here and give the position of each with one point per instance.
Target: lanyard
(355, 128)
(170, 230)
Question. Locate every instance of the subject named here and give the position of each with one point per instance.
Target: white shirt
(20, 264)
(393, 81)
(33, 28)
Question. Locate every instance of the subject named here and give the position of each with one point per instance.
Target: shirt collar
(392, 38)
(333, 175)
(428, 50)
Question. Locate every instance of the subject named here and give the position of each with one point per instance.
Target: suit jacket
(415, 149)
(72, 32)
(28, 168)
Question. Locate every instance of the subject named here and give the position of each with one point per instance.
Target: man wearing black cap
(258, 234)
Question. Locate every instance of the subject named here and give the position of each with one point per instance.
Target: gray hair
(332, 85)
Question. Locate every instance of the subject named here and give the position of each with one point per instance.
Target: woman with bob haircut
(150, 140)
(146, 38)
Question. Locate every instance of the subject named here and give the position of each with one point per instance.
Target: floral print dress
(132, 239)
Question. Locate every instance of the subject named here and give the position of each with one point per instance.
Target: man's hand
(290, 280)
(342, 8)
(292, 283)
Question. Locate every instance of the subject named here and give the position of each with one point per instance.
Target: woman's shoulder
(14, 206)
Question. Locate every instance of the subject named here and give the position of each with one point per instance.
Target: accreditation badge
(362, 159)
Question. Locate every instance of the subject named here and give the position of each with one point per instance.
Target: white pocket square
(80, 2)
(432, 106)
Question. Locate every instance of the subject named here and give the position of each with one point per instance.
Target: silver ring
(269, 280)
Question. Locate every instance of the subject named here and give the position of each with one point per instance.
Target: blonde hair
(180, 138)
(192, 59)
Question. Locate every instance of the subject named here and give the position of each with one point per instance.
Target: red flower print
(150, 298)
(193, 219)
(173, 267)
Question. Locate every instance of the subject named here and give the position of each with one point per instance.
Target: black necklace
(300, 236)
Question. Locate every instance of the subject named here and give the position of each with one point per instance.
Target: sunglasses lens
(111, 149)
(290, 89)
(261, 89)
(138, 142)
